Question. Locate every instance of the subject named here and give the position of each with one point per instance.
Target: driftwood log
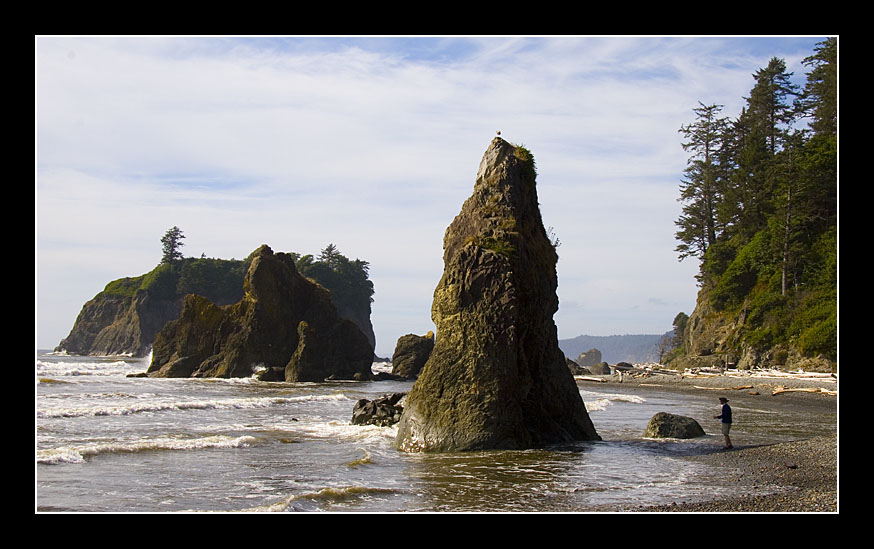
(738, 388)
(780, 389)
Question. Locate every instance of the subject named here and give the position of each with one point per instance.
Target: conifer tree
(820, 98)
(755, 138)
(768, 104)
(700, 190)
(170, 244)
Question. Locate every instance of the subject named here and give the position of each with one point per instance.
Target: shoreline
(786, 477)
(783, 477)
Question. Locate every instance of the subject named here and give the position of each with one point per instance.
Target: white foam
(334, 430)
(76, 369)
(598, 402)
(378, 367)
(216, 404)
(77, 454)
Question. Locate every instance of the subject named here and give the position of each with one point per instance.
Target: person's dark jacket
(726, 414)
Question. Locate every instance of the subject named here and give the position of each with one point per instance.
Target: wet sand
(796, 476)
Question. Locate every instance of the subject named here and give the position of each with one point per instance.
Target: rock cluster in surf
(285, 327)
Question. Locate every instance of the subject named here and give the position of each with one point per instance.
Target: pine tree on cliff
(765, 123)
(700, 191)
(769, 103)
(170, 244)
(820, 99)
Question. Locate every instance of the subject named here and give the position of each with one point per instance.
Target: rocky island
(125, 317)
(496, 378)
(285, 327)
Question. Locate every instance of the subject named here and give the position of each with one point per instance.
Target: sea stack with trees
(125, 317)
(285, 325)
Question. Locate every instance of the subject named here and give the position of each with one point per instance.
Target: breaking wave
(78, 453)
(598, 402)
(153, 406)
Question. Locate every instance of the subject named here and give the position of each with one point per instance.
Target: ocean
(110, 443)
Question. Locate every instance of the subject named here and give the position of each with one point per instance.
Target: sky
(372, 144)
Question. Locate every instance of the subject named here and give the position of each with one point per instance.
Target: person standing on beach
(725, 416)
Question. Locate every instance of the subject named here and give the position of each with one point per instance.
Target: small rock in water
(411, 353)
(665, 425)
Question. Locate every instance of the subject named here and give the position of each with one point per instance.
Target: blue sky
(372, 144)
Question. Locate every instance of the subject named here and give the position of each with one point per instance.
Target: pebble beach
(784, 477)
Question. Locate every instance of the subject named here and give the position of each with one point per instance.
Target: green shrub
(766, 307)
(219, 280)
(821, 338)
(718, 257)
(499, 246)
(529, 168)
(816, 323)
(124, 287)
(161, 281)
(762, 337)
(751, 263)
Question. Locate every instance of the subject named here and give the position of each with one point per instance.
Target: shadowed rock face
(496, 378)
(284, 323)
(411, 353)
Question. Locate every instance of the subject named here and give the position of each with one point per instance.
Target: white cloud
(372, 145)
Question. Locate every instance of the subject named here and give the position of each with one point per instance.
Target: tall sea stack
(496, 378)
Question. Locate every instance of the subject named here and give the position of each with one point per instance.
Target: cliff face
(284, 322)
(120, 325)
(496, 377)
(124, 318)
(719, 338)
(95, 329)
(361, 318)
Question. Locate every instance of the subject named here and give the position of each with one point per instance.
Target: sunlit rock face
(496, 378)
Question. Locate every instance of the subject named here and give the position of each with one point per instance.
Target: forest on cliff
(221, 280)
(760, 208)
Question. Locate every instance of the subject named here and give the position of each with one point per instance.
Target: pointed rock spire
(496, 377)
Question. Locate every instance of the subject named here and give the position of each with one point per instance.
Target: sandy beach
(796, 476)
